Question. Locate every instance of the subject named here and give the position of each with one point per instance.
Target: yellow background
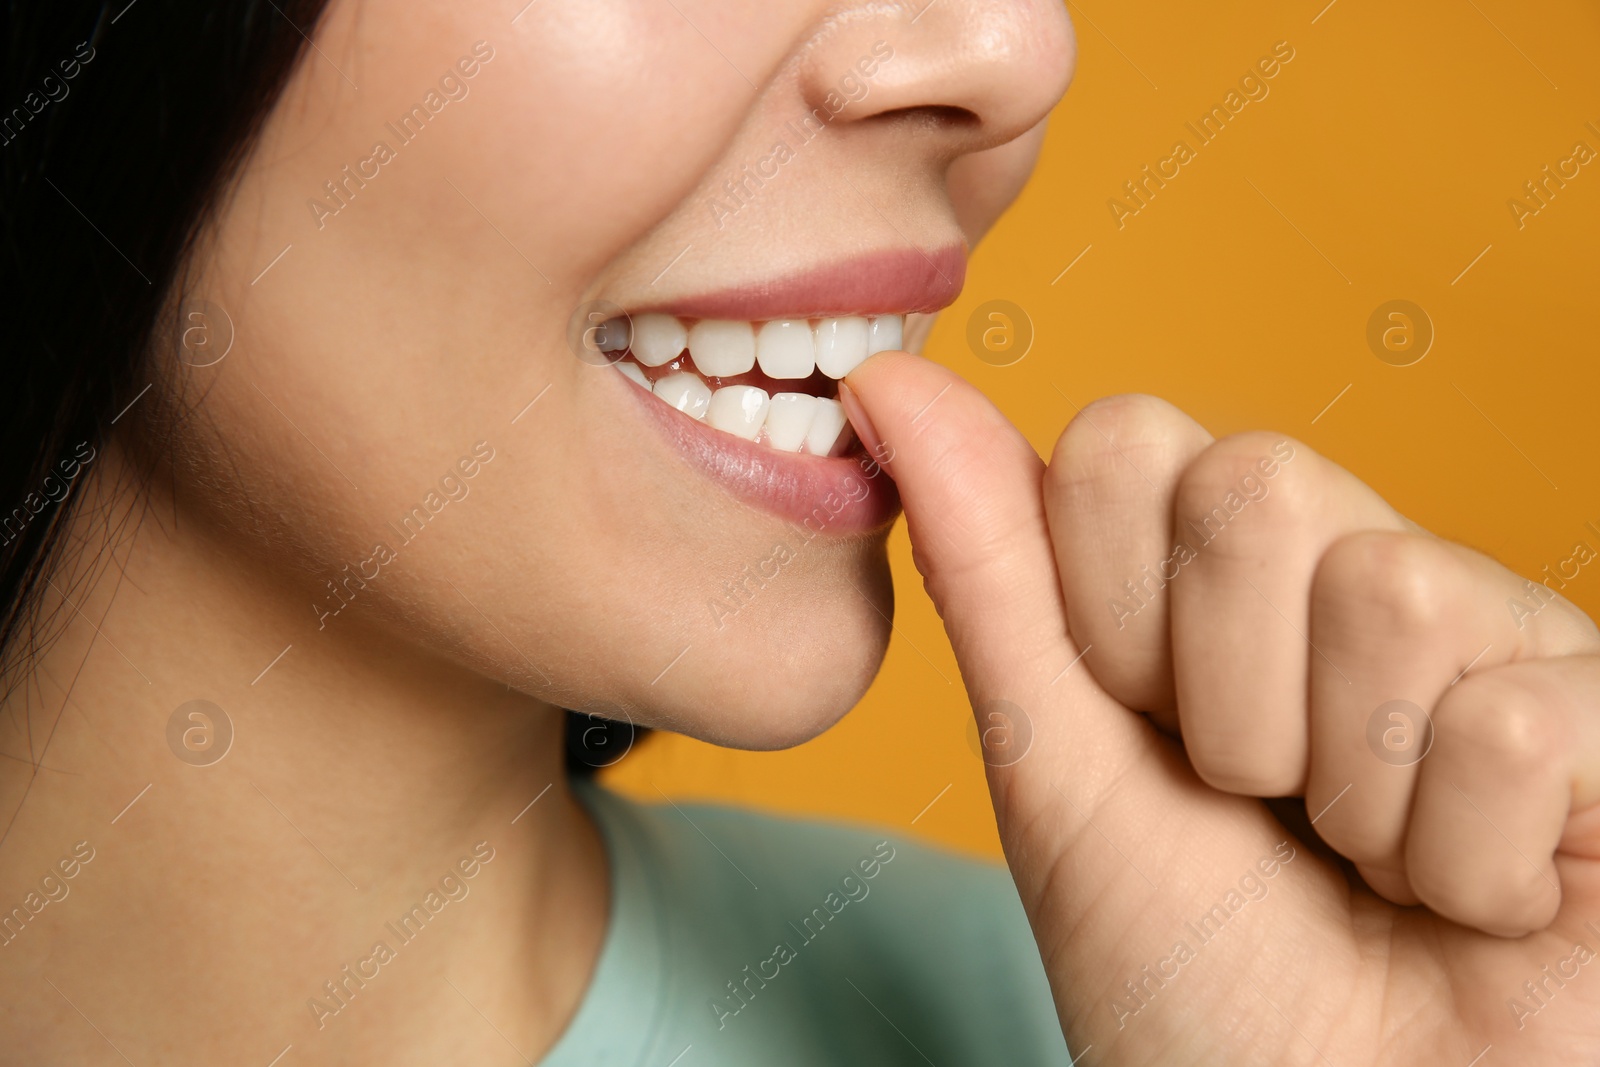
(1379, 167)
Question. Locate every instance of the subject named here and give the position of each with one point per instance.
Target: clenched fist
(1184, 625)
(1440, 715)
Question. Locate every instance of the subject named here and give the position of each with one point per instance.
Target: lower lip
(843, 496)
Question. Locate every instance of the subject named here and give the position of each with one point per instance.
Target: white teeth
(826, 425)
(784, 349)
(788, 420)
(722, 349)
(632, 371)
(658, 339)
(841, 345)
(686, 392)
(886, 333)
(739, 410)
(612, 335)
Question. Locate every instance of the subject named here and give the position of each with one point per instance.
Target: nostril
(941, 116)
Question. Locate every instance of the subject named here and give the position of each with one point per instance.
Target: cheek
(403, 325)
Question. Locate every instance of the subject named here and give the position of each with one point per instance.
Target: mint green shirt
(737, 938)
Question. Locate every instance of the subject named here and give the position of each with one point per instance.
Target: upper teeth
(722, 348)
(785, 349)
(658, 339)
(841, 345)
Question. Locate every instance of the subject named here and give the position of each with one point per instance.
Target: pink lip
(880, 283)
(842, 496)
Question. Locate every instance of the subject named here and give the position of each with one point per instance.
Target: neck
(354, 863)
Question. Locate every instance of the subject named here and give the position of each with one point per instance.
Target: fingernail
(857, 414)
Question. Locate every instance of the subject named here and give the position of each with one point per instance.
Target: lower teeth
(787, 422)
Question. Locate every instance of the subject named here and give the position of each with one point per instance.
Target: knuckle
(1092, 453)
(1128, 418)
(1238, 472)
(1493, 720)
(1402, 581)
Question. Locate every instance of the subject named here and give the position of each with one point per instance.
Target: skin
(1121, 840)
(375, 748)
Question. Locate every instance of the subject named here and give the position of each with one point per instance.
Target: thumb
(1093, 807)
(972, 488)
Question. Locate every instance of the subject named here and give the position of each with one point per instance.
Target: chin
(782, 673)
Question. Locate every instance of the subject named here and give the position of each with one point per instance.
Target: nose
(978, 72)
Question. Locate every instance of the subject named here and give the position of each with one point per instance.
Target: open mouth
(743, 381)
(773, 382)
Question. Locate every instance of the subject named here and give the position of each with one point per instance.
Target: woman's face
(413, 432)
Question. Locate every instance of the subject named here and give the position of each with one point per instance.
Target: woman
(356, 371)
(378, 512)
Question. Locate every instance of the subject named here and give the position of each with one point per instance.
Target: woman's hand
(1440, 716)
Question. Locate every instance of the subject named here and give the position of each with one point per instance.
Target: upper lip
(888, 282)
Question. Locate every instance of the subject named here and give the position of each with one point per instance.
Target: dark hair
(123, 125)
